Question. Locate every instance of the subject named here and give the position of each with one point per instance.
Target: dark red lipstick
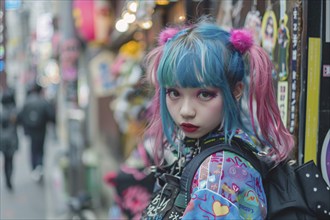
(187, 127)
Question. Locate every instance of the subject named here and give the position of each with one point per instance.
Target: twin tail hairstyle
(205, 55)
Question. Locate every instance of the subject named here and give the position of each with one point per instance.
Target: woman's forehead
(193, 88)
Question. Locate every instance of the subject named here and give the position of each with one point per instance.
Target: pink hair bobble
(241, 39)
(166, 35)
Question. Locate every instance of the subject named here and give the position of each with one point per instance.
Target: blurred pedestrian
(34, 117)
(8, 133)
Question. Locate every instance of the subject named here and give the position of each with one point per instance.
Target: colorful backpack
(293, 192)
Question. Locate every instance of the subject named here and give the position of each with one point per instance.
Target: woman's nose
(187, 110)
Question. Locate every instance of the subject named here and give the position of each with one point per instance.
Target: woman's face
(196, 111)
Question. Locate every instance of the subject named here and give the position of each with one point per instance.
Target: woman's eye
(172, 93)
(206, 95)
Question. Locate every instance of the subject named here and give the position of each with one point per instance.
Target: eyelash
(170, 91)
(209, 94)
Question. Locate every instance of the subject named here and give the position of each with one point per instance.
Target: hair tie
(241, 39)
(167, 34)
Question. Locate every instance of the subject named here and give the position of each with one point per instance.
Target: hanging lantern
(93, 20)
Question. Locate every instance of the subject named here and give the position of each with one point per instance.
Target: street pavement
(31, 199)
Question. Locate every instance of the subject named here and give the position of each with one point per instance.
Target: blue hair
(201, 56)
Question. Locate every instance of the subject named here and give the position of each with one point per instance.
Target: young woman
(209, 83)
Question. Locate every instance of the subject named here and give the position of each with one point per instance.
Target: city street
(30, 199)
(126, 93)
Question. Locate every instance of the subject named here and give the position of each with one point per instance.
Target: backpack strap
(240, 147)
(189, 171)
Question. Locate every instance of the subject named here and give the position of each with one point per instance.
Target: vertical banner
(313, 94)
(294, 42)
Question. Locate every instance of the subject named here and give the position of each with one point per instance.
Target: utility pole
(69, 121)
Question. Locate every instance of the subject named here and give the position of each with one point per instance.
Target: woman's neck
(196, 142)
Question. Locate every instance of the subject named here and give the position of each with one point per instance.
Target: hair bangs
(191, 67)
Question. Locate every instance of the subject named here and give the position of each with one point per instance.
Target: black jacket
(8, 129)
(36, 113)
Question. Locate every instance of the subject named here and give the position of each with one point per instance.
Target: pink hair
(266, 116)
(154, 128)
(267, 112)
(166, 35)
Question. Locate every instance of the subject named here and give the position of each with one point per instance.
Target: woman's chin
(194, 134)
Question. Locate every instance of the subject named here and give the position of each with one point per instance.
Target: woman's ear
(238, 90)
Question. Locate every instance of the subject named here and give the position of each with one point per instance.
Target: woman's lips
(186, 127)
